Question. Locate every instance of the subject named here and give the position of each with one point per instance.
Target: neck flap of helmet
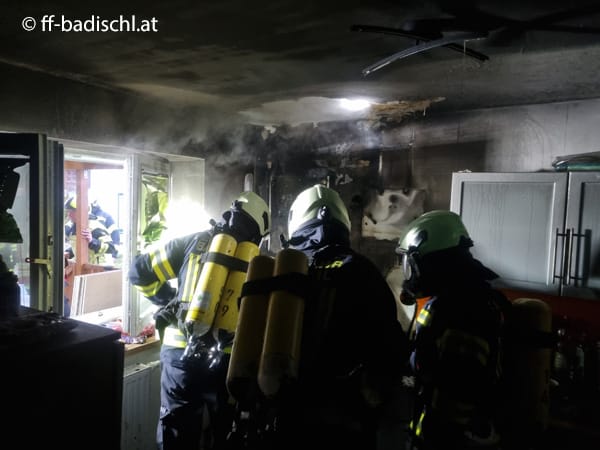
(240, 225)
(316, 234)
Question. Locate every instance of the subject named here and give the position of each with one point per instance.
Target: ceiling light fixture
(354, 105)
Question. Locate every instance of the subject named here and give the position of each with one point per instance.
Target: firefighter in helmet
(102, 249)
(353, 348)
(100, 241)
(190, 385)
(107, 220)
(456, 348)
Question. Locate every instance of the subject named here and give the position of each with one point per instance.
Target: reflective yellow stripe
(191, 278)
(335, 264)
(424, 317)
(420, 424)
(174, 337)
(150, 289)
(161, 265)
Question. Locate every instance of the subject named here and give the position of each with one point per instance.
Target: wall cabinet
(539, 231)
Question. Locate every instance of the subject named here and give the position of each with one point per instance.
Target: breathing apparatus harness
(210, 347)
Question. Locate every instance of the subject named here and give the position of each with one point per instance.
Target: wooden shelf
(150, 343)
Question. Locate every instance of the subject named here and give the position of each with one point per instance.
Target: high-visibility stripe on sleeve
(161, 265)
(191, 278)
(149, 290)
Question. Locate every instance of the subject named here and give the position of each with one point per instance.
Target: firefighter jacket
(178, 259)
(353, 347)
(100, 245)
(457, 364)
(107, 220)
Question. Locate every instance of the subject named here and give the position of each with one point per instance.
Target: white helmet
(253, 205)
(317, 202)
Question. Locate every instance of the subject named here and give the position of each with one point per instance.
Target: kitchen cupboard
(538, 231)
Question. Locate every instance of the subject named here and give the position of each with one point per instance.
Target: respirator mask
(241, 226)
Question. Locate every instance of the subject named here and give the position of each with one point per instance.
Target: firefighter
(107, 220)
(102, 248)
(353, 348)
(100, 242)
(189, 385)
(456, 349)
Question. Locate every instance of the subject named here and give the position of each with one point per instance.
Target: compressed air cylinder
(201, 313)
(248, 341)
(280, 358)
(227, 313)
(527, 370)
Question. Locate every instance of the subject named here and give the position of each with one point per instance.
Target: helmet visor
(410, 268)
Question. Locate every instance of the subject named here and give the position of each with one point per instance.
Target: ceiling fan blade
(418, 37)
(421, 48)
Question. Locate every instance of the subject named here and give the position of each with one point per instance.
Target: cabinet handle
(567, 251)
(570, 259)
(564, 270)
(554, 256)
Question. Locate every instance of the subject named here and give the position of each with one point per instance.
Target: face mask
(412, 286)
(241, 226)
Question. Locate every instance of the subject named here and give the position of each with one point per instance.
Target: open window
(96, 198)
(150, 198)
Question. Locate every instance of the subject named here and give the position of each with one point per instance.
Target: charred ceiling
(290, 62)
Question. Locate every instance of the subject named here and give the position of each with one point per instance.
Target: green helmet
(434, 231)
(317, 202)
(253, 205)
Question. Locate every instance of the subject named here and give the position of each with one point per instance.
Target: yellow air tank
(201, 314)
(248, 341)
(227, 314)
(527, 372)
(280, 358)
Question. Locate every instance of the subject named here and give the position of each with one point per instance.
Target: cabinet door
(516, 222)
(583, 225)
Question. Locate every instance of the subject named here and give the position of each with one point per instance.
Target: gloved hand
(165, 316)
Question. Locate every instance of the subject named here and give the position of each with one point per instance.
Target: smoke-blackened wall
(345, 156)
(229, 154)
(358, 159)
(63, 109)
